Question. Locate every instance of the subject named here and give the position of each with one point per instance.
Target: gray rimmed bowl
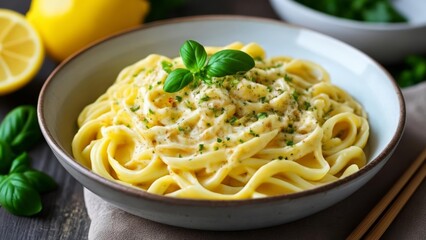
(385, 42)
(82, 78)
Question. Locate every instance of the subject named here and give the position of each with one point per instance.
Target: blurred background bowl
(81, 79)
(385, 42)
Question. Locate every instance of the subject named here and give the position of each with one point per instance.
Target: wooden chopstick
(396, 207)
(387, 219)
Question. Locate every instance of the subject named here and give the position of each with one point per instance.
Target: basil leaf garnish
(20, 128)
(229, 62)
(194, 56)
(177, 79)
(2, 177)
(6, 157)
(40, 181)
(18, 196)
(20, 163)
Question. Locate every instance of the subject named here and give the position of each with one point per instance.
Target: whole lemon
(69, 25)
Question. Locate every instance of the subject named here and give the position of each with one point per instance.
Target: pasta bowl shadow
(82, 78)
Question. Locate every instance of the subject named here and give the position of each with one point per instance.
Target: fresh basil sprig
(6, 157)
(199, 67)
(18, 197)
(20, 185)
(20, 128)
(20, 190)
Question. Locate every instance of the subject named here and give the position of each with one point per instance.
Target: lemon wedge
(21, 51)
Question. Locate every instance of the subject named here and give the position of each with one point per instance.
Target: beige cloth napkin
(336, 222)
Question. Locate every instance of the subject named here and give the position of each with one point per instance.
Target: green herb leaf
(18, 196)
(2, 177)
(167, 66)
(177, 79)
(194, 56)
(262, 115)
(40, 181)
(20, 128)
(414, 71)
(20, 163)
(6, 157)
(229, 62)
(361, 10)
(134, 108)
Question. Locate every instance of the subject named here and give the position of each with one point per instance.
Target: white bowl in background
(385, 42)
(84, 77)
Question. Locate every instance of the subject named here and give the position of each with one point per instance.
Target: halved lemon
(21, 51)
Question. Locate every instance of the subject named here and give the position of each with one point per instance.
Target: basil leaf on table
(2, 177)
(228, 62)
(178, 79)
(40, 181)
(6, 157)
(194, 56)
(20, 128)
(18, 196)
(20, 163)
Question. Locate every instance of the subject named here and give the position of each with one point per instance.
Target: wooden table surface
(64, 215)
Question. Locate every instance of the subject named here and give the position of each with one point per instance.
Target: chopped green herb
(205, 98)
(200, 147)
(179, 98)
(290, 129)
(289, 143)
(307, 105)
(288, 78)
(232, 120)
(253, 133)
(134, 108)
(219, 140)
(262, 115)
(295, 96)
(167, 66)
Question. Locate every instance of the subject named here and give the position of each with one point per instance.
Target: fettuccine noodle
(279, 128)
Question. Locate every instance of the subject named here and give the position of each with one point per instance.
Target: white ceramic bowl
(82, 78)
(386, 42)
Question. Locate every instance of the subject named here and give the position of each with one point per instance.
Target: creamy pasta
(279, 128)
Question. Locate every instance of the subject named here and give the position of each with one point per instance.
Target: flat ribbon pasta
(280, 128)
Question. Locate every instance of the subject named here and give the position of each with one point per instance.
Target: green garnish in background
(201, 68)
(413, 72)
(20, 185)
(361, 10)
